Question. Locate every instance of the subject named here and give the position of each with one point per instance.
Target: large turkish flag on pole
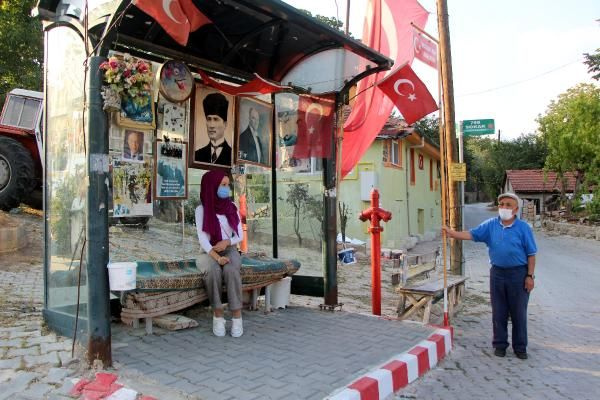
(177, 17)
(409, 94)
(388, 30)
(315, 127)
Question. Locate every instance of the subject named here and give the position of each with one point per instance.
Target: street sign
(474, 127)
(458, 172)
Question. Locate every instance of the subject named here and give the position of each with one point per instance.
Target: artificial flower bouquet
(127, 76)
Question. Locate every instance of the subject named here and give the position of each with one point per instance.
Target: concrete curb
(400, 370)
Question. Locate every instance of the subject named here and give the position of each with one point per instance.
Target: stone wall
(564, 228)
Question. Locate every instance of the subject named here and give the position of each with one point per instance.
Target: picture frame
(221, 112)
(133, 146)
(176, 82)
(170, 170)
(254, 131)
(132, 189)
(136, 113)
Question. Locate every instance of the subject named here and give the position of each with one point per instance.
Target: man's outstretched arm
(463, 235)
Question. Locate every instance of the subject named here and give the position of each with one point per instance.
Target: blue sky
(509, 58)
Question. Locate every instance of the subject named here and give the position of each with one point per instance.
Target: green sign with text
(474, 127)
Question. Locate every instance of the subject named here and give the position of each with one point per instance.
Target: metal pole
(449, 126)
(99, 345)
(347, 30)
(462, 190)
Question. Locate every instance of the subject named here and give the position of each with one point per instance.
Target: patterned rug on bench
(169, 275)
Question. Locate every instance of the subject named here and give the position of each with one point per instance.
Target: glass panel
(66, 186)
(300, 208)
(13, 111)
(29, 114)
(343, 65)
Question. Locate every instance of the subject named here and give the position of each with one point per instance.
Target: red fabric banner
(177, 17)
(255, 87)
(316, 118)
(425, 49)
(388, 30)
(409, 94)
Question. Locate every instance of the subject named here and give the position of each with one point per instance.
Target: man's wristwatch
(530, 276)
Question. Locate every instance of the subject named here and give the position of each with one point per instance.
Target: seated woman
(219, 231)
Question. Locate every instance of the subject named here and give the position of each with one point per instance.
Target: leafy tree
(21, 47)
(330, 21)
(593, 63)
(430, 128)
(571, 129)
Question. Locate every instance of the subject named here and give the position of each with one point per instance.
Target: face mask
(223, 192)
(505, 214)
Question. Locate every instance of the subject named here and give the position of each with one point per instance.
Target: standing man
(251, 147)
(133, 149)
(217, 151)
(512, 252)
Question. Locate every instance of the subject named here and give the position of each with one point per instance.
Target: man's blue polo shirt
(508, 246)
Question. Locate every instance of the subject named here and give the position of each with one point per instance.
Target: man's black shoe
(500, 352)
(521, 355)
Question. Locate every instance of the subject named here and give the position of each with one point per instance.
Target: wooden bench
(409, 266)
(422, 295)
(164, 287)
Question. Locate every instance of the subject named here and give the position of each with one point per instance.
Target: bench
(163, 287)
(408, 266)
(422, 295)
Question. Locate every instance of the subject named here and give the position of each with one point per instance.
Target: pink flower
(113, 64)
(142, 67)
(127, 73)
(104, 65)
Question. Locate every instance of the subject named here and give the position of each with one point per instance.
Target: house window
(412, 167)
(395, 155)
(430, 174)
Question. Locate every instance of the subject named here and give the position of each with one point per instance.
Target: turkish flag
(315, 125)
(177, 17)
(408, 93)
(255, 87)
(388, 30)
(425, 49)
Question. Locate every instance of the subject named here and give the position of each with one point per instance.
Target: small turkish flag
(177, 17)
(425, 49)
(315, 125)
(408, 93)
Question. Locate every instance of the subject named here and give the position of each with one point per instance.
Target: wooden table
(422, 295)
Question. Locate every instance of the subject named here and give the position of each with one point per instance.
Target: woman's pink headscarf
(213, 205)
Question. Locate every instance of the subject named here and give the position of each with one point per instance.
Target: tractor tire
(17, 172)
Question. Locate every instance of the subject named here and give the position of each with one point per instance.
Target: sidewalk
(296, 353)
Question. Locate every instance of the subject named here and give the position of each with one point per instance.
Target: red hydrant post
(375, 214)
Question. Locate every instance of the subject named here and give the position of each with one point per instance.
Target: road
(564, 329)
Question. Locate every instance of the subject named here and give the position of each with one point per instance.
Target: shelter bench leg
(136, 323)
(148, 326)
(415, 305)
(267, 299)
(254, 301)
(427, 311)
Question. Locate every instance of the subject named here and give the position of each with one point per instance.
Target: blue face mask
(223, 192)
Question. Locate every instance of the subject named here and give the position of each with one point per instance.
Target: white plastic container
(122, 275)
(280, 292)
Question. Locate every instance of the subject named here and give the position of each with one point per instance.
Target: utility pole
(450, 131)
(347, 17)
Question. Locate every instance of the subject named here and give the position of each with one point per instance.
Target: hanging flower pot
(112, 99)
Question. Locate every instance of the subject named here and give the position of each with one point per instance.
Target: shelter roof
(267, 37)
(536, 180)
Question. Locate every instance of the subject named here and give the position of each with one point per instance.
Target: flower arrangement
(127, 76)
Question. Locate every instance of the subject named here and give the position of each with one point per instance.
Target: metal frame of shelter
(267, 37)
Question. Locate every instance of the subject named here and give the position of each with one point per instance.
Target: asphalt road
(564, 329)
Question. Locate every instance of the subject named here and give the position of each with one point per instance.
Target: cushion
(257, 270)
(169, 275)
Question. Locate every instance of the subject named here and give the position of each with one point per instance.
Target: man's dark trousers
(509, 297)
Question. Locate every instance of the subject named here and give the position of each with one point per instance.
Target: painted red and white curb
(400, 370)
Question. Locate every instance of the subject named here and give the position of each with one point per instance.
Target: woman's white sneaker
(219, 326)
(237, 327)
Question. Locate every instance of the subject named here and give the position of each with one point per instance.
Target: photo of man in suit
(252, 142)
(217, 151)
(133, 149)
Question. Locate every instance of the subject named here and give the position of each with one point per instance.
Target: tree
(329, 21)
(297, 197)
(21, 46)
(593, 63)
(430, 128)
(571, 129)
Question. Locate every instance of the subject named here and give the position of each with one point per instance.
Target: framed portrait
(211, 139)
(137, 112)
(254, 131)
(132, 189)
(176, 82)
(170, 172)
(133, 146)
